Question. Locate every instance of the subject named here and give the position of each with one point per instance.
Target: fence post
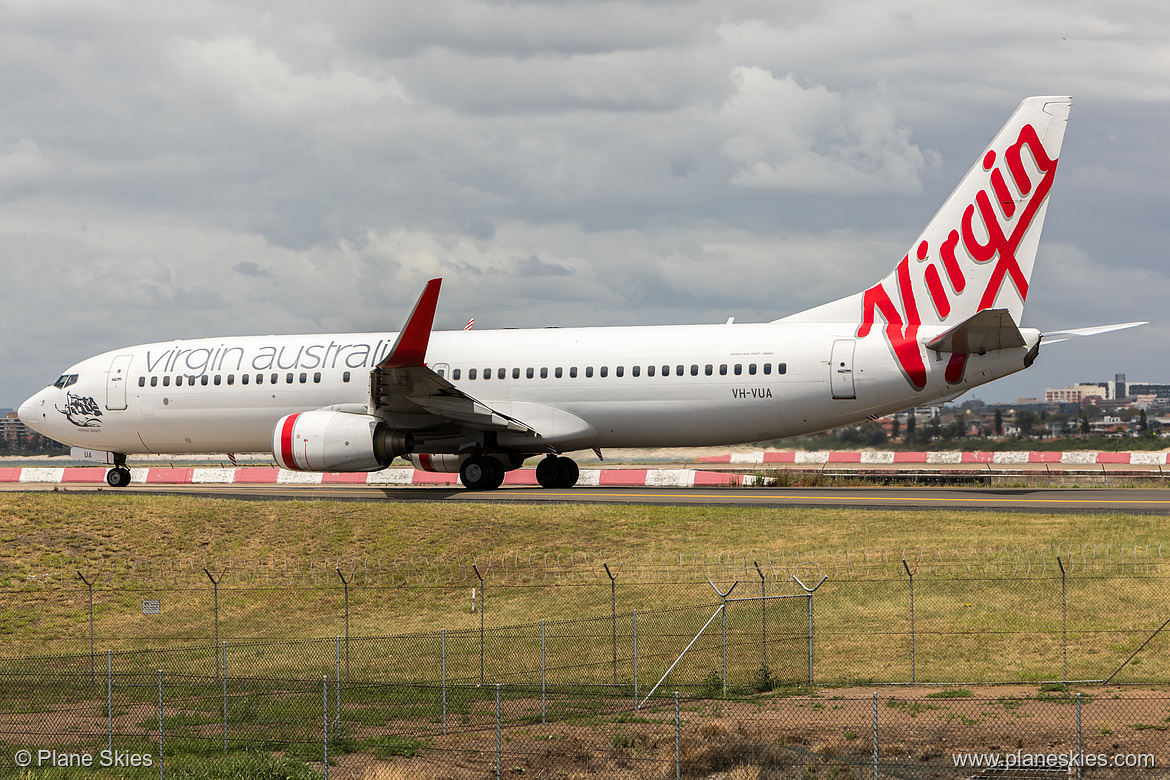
(810, 591)
(1079, 748)
(89, 585)
(875, 737)
(543, 675)
(723, 609)
(224, 678)
(443, 651)
(482, 606)
(337, 716)
(325, 719)
(911, 574)
(215, 587)
(613, 616)
(763, 619)
(635, 659)
(160, 726)
(677, 741)
(345, 582)
(110, 698)
(498, 746)
(1064, 614)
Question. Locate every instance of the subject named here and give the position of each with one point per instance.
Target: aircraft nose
(31, 412)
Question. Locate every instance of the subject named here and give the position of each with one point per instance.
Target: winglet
(411, 347)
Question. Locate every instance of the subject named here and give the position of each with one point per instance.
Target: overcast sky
(200, 169)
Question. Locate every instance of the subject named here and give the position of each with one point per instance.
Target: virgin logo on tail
(990, 232)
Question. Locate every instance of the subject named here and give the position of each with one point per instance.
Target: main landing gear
(557, 472)
(481, 472)
(119, 475)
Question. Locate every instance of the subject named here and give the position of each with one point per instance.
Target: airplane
(946, 319)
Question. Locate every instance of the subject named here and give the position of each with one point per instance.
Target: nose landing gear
(119, 475)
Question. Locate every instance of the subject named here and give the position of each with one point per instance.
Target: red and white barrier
(392, 476)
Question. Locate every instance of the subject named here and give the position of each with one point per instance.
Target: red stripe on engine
(424, 460)
(286, 442)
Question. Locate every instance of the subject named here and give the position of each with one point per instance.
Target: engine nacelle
(445, 463)
(336, 441)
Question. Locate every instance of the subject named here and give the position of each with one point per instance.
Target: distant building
(1077, 394)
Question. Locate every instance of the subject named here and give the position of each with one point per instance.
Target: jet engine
(325, 440)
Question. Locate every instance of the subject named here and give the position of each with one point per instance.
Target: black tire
(570, 472)
(548, 473)
(118, 477)
(480, 472)
(498, 472)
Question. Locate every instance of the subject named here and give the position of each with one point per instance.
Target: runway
(1151, 501)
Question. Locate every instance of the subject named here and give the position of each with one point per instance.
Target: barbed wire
(508, 568)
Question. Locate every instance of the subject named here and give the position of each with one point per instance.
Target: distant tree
(1085, 427)
(911, 425)
(895, 427)
(999, 422)
(1143, 421)
(1026, 422)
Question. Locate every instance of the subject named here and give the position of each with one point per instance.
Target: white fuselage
(611, 386)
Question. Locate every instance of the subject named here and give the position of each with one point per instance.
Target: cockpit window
(65, 381)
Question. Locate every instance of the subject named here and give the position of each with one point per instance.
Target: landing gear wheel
(548, 473)
(570, 473)
(481, 472)
(118, 477)
(554, 472)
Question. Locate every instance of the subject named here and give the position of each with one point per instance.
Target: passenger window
(502, 373)
(767, 368)
(273, 379)
(142, 381)
(619, 371)
(231, 379)
(471, 373)
(722, 369)
(288, 378)
(694, 369)
(752, 368)
(454, 375)
(573, 372)
(544, 373)
(588, 371)
(781, 368)
(345, 376)
(487, 373)
(649, 370)
(515, 373)
(154, 381)
(317, 378)
(666, 370)
(528, 372)
(442, 372)
(259, 379)
(166, 381)
(709, 369)
(203, 380)
(304, 378)
(636, 370)
(680, 370)
(559, 372)
(605, 371)
(738, 369)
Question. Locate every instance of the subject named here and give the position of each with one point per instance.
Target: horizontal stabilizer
(1056, 336)
(984, 331)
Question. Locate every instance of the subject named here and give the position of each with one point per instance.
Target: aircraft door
(841, 369)
(443, 370)
(116, 383)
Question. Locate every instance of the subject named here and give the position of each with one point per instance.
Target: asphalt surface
(1153, 501)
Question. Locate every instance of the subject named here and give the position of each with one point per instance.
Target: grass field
(969, 625)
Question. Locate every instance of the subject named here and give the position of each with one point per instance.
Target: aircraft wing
(402, 386)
